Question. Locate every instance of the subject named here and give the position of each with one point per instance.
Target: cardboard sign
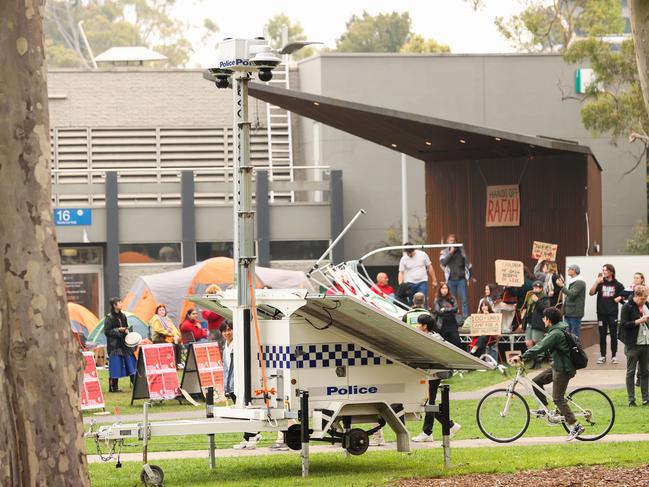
(542, 250)
(486, 324)
(509, 273)
(156, 376)
(503, 206)
(204, 369)
(91, 395)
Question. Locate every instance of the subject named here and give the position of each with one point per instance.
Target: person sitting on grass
(427, 324)
(562, 369)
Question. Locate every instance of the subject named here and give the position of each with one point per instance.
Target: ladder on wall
(280, 138)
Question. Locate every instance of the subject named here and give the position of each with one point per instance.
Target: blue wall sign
(72, 216)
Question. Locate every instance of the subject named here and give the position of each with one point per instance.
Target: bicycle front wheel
(503, 416)
(594, 410)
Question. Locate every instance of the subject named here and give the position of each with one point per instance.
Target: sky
(451, 22)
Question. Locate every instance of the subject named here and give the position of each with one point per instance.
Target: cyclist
(562, 368)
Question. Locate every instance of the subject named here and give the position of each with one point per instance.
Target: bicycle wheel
(503, 416)
(594, 410)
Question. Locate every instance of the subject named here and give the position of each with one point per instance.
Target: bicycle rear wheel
(594, 410)
(503, 416)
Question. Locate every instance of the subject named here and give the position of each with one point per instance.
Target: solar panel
(387, 335)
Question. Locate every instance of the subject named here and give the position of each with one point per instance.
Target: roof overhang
(419, 136)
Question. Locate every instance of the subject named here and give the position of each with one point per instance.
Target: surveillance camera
(265, 74)
(221, 77)
(265, 60)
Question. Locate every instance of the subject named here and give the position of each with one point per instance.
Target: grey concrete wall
(517, 93)
(139, 98)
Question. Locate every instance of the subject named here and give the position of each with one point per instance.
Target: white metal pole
(404, 200)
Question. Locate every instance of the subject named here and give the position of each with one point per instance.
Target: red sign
(91, 395)
(503, 206)
(160, 370)
(210, 367)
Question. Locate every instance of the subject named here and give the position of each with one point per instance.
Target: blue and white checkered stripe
(325, 355)
(277, 356)
(318, 356)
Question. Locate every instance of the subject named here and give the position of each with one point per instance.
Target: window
(148, 253)
(297, 249)
(207, 250)
(80, 255)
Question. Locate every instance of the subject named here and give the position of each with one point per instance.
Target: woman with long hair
(445, 311)
(193, 326)
(163, 330)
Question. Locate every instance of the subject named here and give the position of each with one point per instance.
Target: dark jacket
(628, 329)
(534, 316)
(575, 298)
(115, 338)
(607, 291)
(554, 342)
(447, 317)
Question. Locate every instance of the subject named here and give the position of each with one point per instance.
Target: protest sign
(509, 273)
(203, 369)
(156, 376)
(542, 250)
(91, 395)
(503, 206)
(486, 324)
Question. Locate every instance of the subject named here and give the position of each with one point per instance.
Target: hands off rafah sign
(503, 206)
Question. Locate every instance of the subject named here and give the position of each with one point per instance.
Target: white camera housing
(246, 55)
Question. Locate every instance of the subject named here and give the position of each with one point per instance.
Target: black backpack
(575, 351)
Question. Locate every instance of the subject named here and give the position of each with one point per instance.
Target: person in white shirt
(414, 269)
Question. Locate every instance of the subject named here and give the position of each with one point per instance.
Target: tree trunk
(41, 440)
(639, 12)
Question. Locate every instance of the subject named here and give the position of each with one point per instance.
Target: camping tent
(82, 319)
(172, 287)
(136, 324)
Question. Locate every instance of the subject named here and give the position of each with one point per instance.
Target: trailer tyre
(293, 437)
(154, 479)
(356, 441)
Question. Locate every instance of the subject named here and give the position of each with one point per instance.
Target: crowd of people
(544, 306)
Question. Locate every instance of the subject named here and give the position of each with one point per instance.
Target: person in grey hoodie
(574, 299)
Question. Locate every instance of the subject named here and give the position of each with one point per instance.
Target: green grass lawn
(474, 380)
(628, 420)
(373, 468)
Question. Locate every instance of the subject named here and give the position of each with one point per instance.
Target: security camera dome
(265, 74)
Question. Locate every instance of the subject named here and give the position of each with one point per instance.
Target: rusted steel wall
(555, 194)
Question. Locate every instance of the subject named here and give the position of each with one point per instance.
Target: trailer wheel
(154, 477)
(356, 441)
(293, 437)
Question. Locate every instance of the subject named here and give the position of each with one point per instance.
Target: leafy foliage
(417, 44)
(385, 32)
(639, 243)
(114, 23)
(613, 102)
(416, 235)
(274, 28)
(550, 27)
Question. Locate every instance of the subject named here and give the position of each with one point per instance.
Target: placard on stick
(509, 273)
(91, 395)
(543, 250)
(486, 324)
(156, 376)
(203, 369)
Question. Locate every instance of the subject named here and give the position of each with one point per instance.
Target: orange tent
(171, 287)
(82, 319)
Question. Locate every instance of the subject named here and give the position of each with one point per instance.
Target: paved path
(478, 443)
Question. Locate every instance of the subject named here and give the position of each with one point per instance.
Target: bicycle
(503, 415)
